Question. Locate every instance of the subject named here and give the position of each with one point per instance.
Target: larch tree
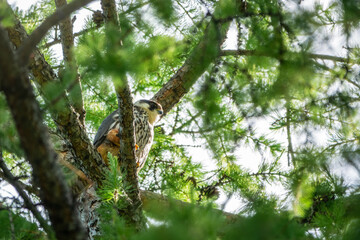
(287, 91)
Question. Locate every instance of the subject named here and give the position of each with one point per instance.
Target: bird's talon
(136, 147)
(137, 164)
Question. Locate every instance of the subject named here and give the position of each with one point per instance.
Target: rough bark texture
(89, 161)
(34, 139)
(132, 214)
(66, 31)
(67, 157)
(67, 41)
(109, 11)
(86, 157)
(88, 202)
(127, 159)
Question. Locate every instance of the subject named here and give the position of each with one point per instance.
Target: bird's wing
(109, 123)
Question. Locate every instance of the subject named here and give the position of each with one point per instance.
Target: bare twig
(29, 44)
(288, 131)
(28, 188)
(57, 40)
(187, 123)
(264, 174)
(186, 12)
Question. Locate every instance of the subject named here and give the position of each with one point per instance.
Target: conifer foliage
(260, 134)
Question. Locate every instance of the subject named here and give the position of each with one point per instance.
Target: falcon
(146, 114)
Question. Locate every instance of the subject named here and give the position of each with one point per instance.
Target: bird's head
(153, 109)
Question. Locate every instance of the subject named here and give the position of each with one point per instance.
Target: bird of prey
(146, 114)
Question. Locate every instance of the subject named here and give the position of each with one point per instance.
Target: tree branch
(34, 139)
(244, 52)
(27, 201)
(67, 40)
(30, 44)
(290, 153)
(199, 60)
(157, 204)
(66, 34)
(127, 158)
(27, 188)
(88, 160)
(56, 41)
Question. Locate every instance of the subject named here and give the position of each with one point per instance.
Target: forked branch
(30, 44)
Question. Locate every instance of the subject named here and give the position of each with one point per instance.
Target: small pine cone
(98, 18)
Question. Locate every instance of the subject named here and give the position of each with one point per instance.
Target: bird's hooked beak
(160, 112)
